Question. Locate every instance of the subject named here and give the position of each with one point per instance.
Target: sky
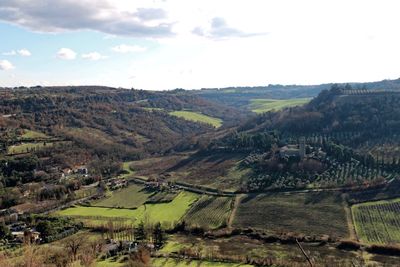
(192, 44)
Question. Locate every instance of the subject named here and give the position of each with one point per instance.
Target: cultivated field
(308, 213)
(378, 222)
(169, 262)
(164, 212)
(242, 246)
(160, 197)
(389, 191)
(216, 170)
(130, 197)
(209, 212)
(265, 105)
(197, 117)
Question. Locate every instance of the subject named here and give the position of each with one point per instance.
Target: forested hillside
(108, 119)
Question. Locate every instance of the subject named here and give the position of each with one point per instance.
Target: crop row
(209, 212)
(378, 223)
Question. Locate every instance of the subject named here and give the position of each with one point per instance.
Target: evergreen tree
(140, 233)
(4, 231)
(158, 236)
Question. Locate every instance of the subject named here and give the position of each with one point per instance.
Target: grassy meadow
(265, 105)
(29, 134)
(27, 147)
(378, 221)
(164, 212)
(197, 117)
(308, 213)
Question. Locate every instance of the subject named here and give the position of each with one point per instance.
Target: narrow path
(349, 219)
(236, 203)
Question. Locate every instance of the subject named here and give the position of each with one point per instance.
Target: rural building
(290, 151)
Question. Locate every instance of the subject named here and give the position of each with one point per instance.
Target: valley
(194, 180)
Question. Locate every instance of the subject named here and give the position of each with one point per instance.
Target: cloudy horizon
(167, 44)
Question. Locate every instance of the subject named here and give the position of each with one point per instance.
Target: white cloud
(307, 43)
(93, 56)
(10, 53)
(219, 29)
(6, 65)
(98, 15)
(123, 48)
(66, 54)
(24, 52)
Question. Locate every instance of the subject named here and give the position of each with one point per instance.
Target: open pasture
(164, 212)
(29, 134)
(197, 117)
(27, 147)
(265, 105)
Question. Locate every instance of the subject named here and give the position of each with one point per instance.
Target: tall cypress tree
(158, 236)
(140, 233)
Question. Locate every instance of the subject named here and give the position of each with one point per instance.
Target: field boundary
(236, 204)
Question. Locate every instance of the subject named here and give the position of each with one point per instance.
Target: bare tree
(73, 244)
(31, 256)
(95, 246)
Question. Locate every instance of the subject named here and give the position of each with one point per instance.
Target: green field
(197, 117)
(308, 213)
(110, 262)
(126, 166)
(85, 192)
(28, 134)
(130, 197)
(169, 262)
(164, 212)
(265, 105)
(378, 221)
(27, 147)
(209, 212)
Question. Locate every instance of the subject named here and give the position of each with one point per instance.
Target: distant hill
(242, 97)
(370, 113)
